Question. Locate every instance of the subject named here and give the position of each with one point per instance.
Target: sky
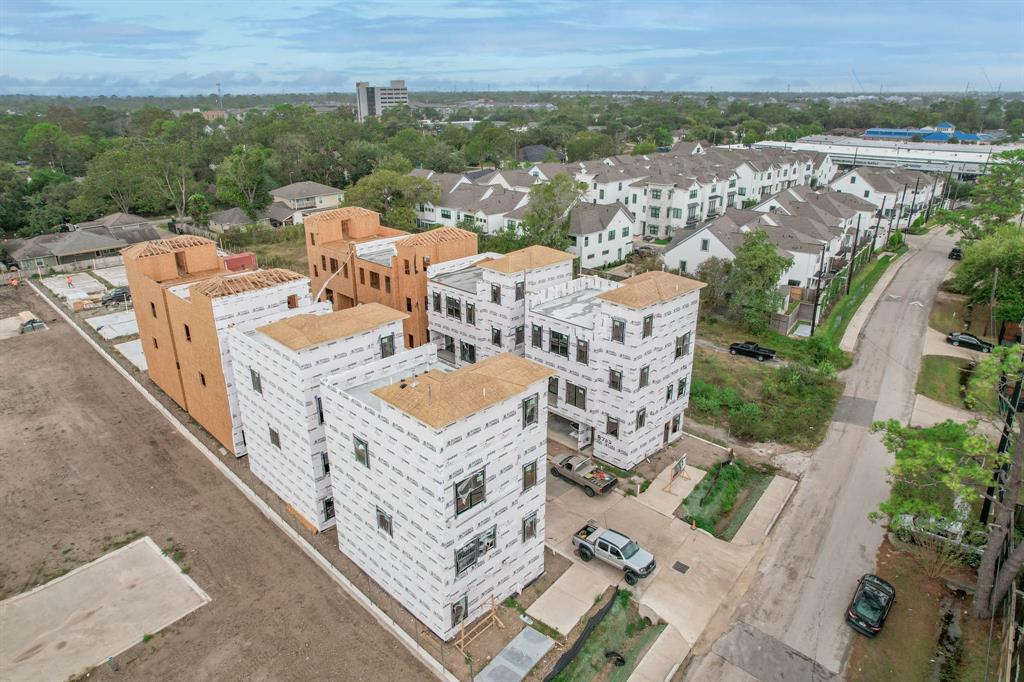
(163, 47)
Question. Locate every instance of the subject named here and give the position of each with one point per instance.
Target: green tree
(13, 189)
(587, 144)
(394, 195)
(754, 281)
(243, 179)
(171, 175)
(116, 179)
(546, 219)
(199, 209)
(1003, 251)
(644, 147)
(48, 208)
(45, 143)
(715, 273)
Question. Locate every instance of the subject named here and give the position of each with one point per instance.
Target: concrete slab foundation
(132, 351)
(568, 598)
(82, 284)
(115, 275)
(115, 325)
(515, 661)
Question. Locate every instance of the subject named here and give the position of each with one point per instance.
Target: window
(853, 179)
(312, 239)
(668, 393)
(293, 301)
(152, 308)
(677, 213)
(648, 325)
(529, 475)
(328, 508)
(387, 346)
(681, 389)
(612, 427)
(615, 380)
(537, 336)
(437, 301)
(445, 213)
(467, 555)
(558, 344)
(384, 522)
(693, 212)
(618, 330)
(625, 231)
(155, 344)
(520, 290)
(693, 194)
(496, 336)
(645, 375)
(362, 451)
(460, 610)
(316, 273)
(467, 352)
(362, 275)
(601, 193)
(323, 264)
(387, 284)
(705, 244)
(682, 266)
(495, 293)
(406, 266)
(275, 438)
(675, 423)
(470, 313)
(325, 463)
(655, 212)
(600, 237)
(641, 418)
(582, 351)
(202, 378)
(732, 183)
(449, 344)
(576, 395)
(470, 492)
(319, 408)
(453, 307)
(412, 340)
(867, 193)
(257, 382)
(188, 334)
(530, 410)
(530, 527)
(682, 345)
(586, 241)
(374, 280)
(520, 335)
(408, 304)
(743, 191)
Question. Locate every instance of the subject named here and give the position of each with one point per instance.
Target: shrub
(745, 420)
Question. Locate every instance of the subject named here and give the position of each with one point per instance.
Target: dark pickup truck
(753, 350)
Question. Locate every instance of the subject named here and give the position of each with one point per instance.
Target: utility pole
(913, 202)
(853, 257)
(817, 292)
(931, 198)
(903, 205)
(992, 302)
(878, 226)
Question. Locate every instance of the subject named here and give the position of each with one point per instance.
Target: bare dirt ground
(85, 463)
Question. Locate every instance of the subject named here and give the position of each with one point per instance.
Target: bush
(745, 420)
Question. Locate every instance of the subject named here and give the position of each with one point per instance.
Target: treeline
(72, 163)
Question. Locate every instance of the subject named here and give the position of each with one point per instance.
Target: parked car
(969, 341)
(751, 349)
(32, 325)
(584, 472)
(870, 605)
(955, 253)
(956, 531)
(615, 548)
(118, 295)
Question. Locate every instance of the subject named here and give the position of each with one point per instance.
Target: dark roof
(230, 216)
(591, 218)
(85, 240)
(535, 153)
(304, 190)
(115, 220)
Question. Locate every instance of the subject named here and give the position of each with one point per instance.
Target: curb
(851, 338)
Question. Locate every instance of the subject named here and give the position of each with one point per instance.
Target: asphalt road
(824, 541)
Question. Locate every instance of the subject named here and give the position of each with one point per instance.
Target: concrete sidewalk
(860, 318)
(665, 498)
(664, 656)
(767, 509)
(569, 598)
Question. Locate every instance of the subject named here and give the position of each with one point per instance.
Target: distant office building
(373, 100)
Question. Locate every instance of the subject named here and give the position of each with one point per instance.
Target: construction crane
(859, 84)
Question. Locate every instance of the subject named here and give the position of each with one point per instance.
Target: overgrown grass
(942, 378)
(622, 630)
(790, 405)
(712, 504)
(274, 248)
(812, 351)
(834, 326)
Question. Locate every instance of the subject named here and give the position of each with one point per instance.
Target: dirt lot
(87, 463)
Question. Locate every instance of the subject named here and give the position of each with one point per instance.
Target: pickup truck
(615, 548)
(582, 471)
(751, 349)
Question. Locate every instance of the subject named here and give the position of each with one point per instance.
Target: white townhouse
(623, 353)
(894, 191)
(600, 234)
(487, 205)
(438, 478)
(280, 366)
(478, 303)
(851, 214)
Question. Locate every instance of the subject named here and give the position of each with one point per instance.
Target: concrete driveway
(935, 344)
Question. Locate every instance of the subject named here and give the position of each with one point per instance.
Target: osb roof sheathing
(437, 236)
(649, 288)
(161, 246)
(304, 331)
(229, 285)
(440, 398)
(530, 258)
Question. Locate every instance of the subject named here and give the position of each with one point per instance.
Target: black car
(955, 253)
(870, 605)
(119, 295)
(753, 350)
(969, 341)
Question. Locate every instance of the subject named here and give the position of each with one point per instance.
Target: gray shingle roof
(303, 190)
(591, 218)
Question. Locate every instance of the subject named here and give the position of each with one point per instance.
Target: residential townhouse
(438, 479)
(354, 259)
(305, 197)
(600, 234)
(853, 215)
(185, 303)
(279, 366)
(478, 304)
(895, 192)
(623, 354)
(487, 206)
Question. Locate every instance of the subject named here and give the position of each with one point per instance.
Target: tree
(996, 200)
(587, 144)
(117, 179)
(45, 143)
(715, 273)
(171, 175)
(48, 208)
(243, 179)
(644, 147)
(753, 284)
(546, 219)
(199, 208)
(977, 272)
(394, 195)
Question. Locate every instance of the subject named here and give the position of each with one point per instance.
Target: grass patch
(755, 402)
(834, 326)
(111, 543)
(812, 351)
(950, 313)
(622, 630)
(662, 242)
(146, 637)
(177, 554)
(724, 497)
(943, 378)
(281, 248)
